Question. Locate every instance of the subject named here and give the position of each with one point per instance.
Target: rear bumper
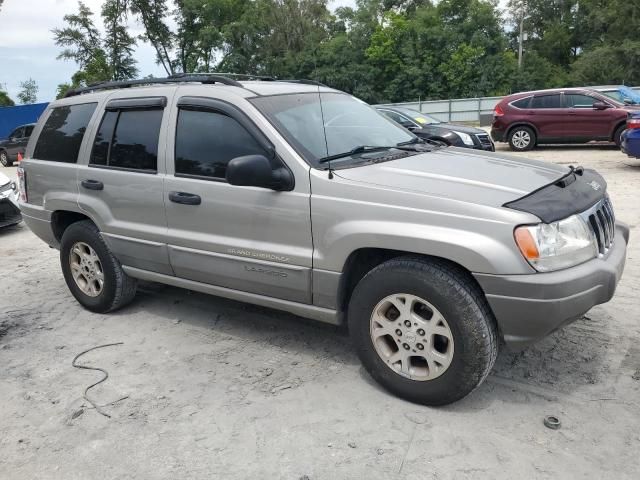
(497, 134)
(39, 222)
(630, 143)
(530, 307)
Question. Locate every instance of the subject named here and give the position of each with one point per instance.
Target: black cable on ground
(106, 375)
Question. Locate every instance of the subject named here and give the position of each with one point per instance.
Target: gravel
(223, 390)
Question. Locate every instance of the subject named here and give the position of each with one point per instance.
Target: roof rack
(177, 78)
(304, 81)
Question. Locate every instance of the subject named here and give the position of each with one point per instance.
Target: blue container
(12, 117)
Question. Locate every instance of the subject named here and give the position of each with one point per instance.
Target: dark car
(434, 130)
(15, 144)
(569, 115)
(631, 137)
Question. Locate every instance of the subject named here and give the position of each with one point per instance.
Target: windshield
(340, 123)
(624, 94)
(420, 117)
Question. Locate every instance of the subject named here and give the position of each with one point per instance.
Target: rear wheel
(4, 159)
(617, 136)
(423, 329)
(522, 139)
(93, 274)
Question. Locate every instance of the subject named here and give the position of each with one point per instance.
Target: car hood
(484, 178)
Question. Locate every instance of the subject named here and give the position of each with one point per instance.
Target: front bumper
(530, 307)
(9, 211)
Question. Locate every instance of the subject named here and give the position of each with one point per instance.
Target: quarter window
(579, 101)
(128, 139)
(546, 101)
(62, 133)
(206, 141)
(522, 103)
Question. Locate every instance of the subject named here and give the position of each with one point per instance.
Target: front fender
(474, 251)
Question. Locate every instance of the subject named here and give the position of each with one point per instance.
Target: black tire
(618, 134)
(518, 136)
(118, 288)
(4, 159)
(461, 302)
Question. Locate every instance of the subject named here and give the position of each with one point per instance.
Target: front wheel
(522, 139)
(423, 329)
(617, 136)
(93, 274)
(4, 159)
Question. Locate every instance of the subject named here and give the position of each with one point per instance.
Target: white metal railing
(458, 109)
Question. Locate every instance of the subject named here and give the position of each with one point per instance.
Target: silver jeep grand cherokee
(299, 197)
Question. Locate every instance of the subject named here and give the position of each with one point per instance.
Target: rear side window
(522, 103)
(546, 101)
(28, 130)
(62, 133)
(206, 141)
(579, 101)
(128, 139)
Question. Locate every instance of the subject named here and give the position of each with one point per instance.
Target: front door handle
(92, 184)
(185, 198)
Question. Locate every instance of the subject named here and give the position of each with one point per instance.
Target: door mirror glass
(600, 105)
(256, 171)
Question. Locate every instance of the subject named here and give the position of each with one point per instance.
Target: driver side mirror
(256, 171)
(600, 105)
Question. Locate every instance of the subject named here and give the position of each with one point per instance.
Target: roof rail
(240, 76)
(304, 81)
(177, 78)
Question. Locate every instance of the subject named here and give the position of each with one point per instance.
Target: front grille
(484, 139)
(602, 222)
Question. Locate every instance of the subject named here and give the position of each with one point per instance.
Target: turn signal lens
(526, 243)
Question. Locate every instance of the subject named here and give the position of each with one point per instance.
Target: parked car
(620, 93)
(301, 198)
(631, 136)
(432, 129)
(568, 115)
(9, 211)
(15, 144)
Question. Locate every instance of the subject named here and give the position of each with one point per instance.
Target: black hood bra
(573, 193)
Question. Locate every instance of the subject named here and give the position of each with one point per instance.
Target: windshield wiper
(354, 151)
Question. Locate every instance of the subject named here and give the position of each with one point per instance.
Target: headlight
(465, 137)
(14, 187)
(557, 245)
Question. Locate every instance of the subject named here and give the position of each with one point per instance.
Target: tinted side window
(206, 141)
(394, 116)
(17, 133)
(28, 130)
(546, 101)
(522, 103)
(128, 139)
(62, 133)
(579, 101)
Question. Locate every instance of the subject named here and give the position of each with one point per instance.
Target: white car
(9, 211)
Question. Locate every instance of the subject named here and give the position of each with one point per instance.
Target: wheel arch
(62, 219)
(521, 124)
(363, 260)
(615, 129)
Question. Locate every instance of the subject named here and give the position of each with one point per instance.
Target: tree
(29, 92)
(5, 100)
(98, 59)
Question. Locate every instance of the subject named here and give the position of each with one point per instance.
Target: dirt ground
(221, 390)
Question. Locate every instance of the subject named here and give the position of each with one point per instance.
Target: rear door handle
(185, 198)
(92, 184)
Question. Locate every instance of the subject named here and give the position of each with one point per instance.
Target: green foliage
(5, 100)
(379, 50)
(28, 92)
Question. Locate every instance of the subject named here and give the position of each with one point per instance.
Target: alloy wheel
(521, 139)
(86, 269)
(411, 337)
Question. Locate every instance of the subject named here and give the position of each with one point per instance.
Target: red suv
(563, 115)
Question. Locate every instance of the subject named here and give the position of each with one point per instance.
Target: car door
(586, 122)
(249, 239)
(545, 112)
(120, 185)
(14, 143)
